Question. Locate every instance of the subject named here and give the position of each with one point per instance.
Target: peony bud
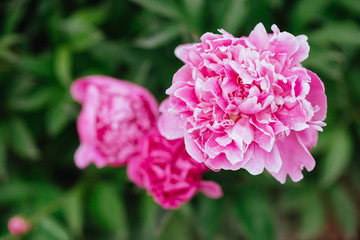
(18, 226)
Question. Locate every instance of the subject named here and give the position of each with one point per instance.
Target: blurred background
(46, 44)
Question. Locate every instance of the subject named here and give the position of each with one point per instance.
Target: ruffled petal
(295, 156)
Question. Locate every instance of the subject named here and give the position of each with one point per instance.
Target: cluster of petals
(115, 116)
(168, 173)
(246, 103)
(117, 127)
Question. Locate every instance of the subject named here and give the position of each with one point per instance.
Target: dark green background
(46, 44)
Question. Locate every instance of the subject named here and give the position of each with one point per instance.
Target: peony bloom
(18, 226)
(246, 103)
(115, 115)
(168, 173)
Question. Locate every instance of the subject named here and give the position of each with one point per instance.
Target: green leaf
(166, 8)
(234, 16)
(194, 7)
(307, 203)
(14, 192)
(328, 62)
(148, 210)
(108, 209)
(63, 65)
(90, 15)
(254, 212)
(3, 159)
(53, 229)
(60, 115)
(40, 66)
(312, 215)
(81, 35)
(14, 13)
(306, 11)
(350, 5)
(337, 157)
(142, 73)
(345, 211)
(342, 33)
(160, 37)
(9, 40)
(21, 139)
(74, 211)
(34, 101)
(177, 228)
(209, 214)
(195, 11)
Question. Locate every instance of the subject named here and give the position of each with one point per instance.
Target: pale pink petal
(258, 37)
(242, 132)
(295, 156)
(309, 137)
(86, 154)
(168, 123)
(317, 97)
(211, 189)
(182, 51)
(193, 149)
(303, 52)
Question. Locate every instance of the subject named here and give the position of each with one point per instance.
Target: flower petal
(295, 156)
(317, 97)
(211, 189)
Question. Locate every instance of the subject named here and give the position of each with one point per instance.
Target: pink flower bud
(18, 226)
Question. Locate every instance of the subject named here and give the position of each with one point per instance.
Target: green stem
(56, 204)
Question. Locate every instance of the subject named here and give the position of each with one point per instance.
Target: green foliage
(46, 44)
(108, 209)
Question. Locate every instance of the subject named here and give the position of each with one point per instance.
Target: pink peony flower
(18, 226)
(246, 103)
(168, 173)
(115, 115)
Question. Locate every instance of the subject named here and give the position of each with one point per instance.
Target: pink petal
(242, 132)
(135, 173)
(258, 37)
(303, 52)
(86, 122)
(250, 106)
(86, 154)
(168, 123)
(182, 51)
(295, 156)
(309, 137)
(261, 158)
(193, 149)
(317, 97)
(286, 43)
(211, 189)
